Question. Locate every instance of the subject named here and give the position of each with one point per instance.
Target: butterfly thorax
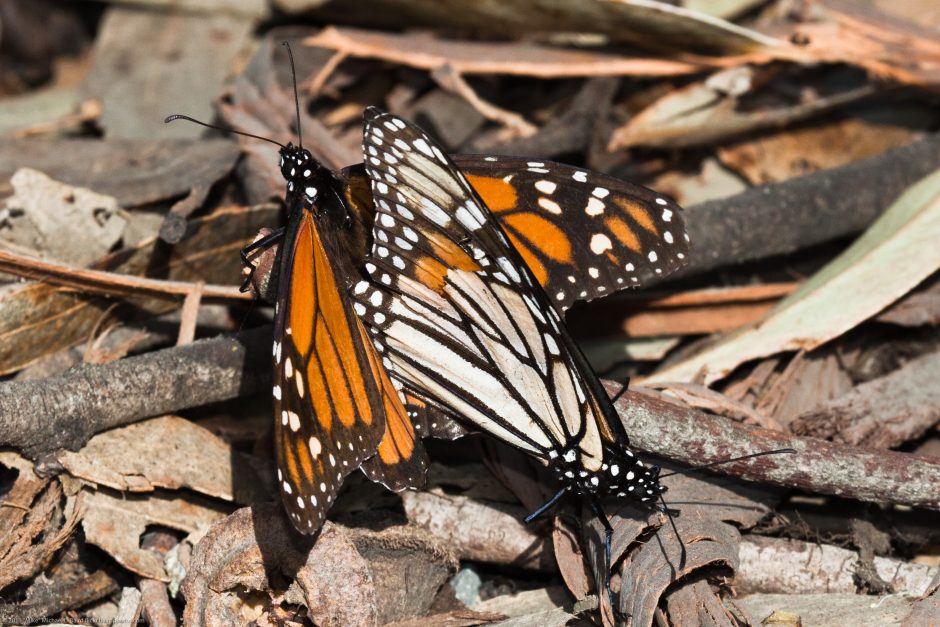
(621, 474)
(310, 184)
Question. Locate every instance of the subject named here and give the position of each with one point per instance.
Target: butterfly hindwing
(583, 234)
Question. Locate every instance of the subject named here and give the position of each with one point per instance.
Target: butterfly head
(621, 474)
(303, 173)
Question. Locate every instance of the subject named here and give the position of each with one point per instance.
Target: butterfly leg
(259, 244)
(545, 506)
(608, 537)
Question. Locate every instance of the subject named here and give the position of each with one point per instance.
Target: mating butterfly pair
(463, 251)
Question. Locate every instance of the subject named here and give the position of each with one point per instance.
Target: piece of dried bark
(32, 522)
(546, 607)
(478, 531)
(809, 380)
(710, 112)
(55, 598)
(882, 413)
(797, 567)
(116, 521)
(812, 148)
(926, 611)
(70, 224)
(919, 308)
(792, 610)
(135, 172)
(182, 70)
(254, 549)
(167, 452)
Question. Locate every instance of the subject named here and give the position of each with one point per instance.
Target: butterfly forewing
(329, 414)
(461, 317)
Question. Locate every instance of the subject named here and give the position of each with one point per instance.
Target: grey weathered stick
(694, 438)
(44, 415)
(782, 218)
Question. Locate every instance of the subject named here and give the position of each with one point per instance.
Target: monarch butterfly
(463, 322)
(336, 408)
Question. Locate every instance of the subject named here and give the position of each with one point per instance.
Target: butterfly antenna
(671, 515)
(293, 74)
(728, 461)
(623, 390)
(178, 116)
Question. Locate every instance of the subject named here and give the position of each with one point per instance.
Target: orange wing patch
(624, 234)
(638, 213)
(496, 193)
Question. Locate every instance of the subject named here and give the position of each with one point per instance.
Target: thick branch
(44, 415)
(695, 438)
(781, 218)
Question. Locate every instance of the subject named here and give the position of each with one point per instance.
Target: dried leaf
(70, 224)
(709, 112)
(896, 253)
(167, 452)
(115, 522)
(422, 51)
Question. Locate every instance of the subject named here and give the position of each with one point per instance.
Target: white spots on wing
(376, 298)
(546, 187)
(386, 220)
(277, 392)
(307, 174)
(381, 187)
(379, 317)
(652, 256)
(594, 206)
(311, 192)
(360, 309)
(560, 296)
(409, 232)
(286, 487)
(401, 143)
(661, 201)
(680, 255)
(667, 215)
(570, 455)
(398, 262)
(668, 237)
(422, 145)
(440, 155)
(315, 447)
(322, 487)
(594, 272)
(403, 244)
(283, 418)
(600, 243)
(538, 170)
(377, 132)
(630, 267)
(293, 420)
(489, 158)
(300, 502)
(404, 212)
(332, 460)
(580, 176)
(381, 251)
(390, 126)
(300, 386)
(535, 164)
(360, 288)
(288, 368)
(277, 352)
(600, 192)
(549, 205)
